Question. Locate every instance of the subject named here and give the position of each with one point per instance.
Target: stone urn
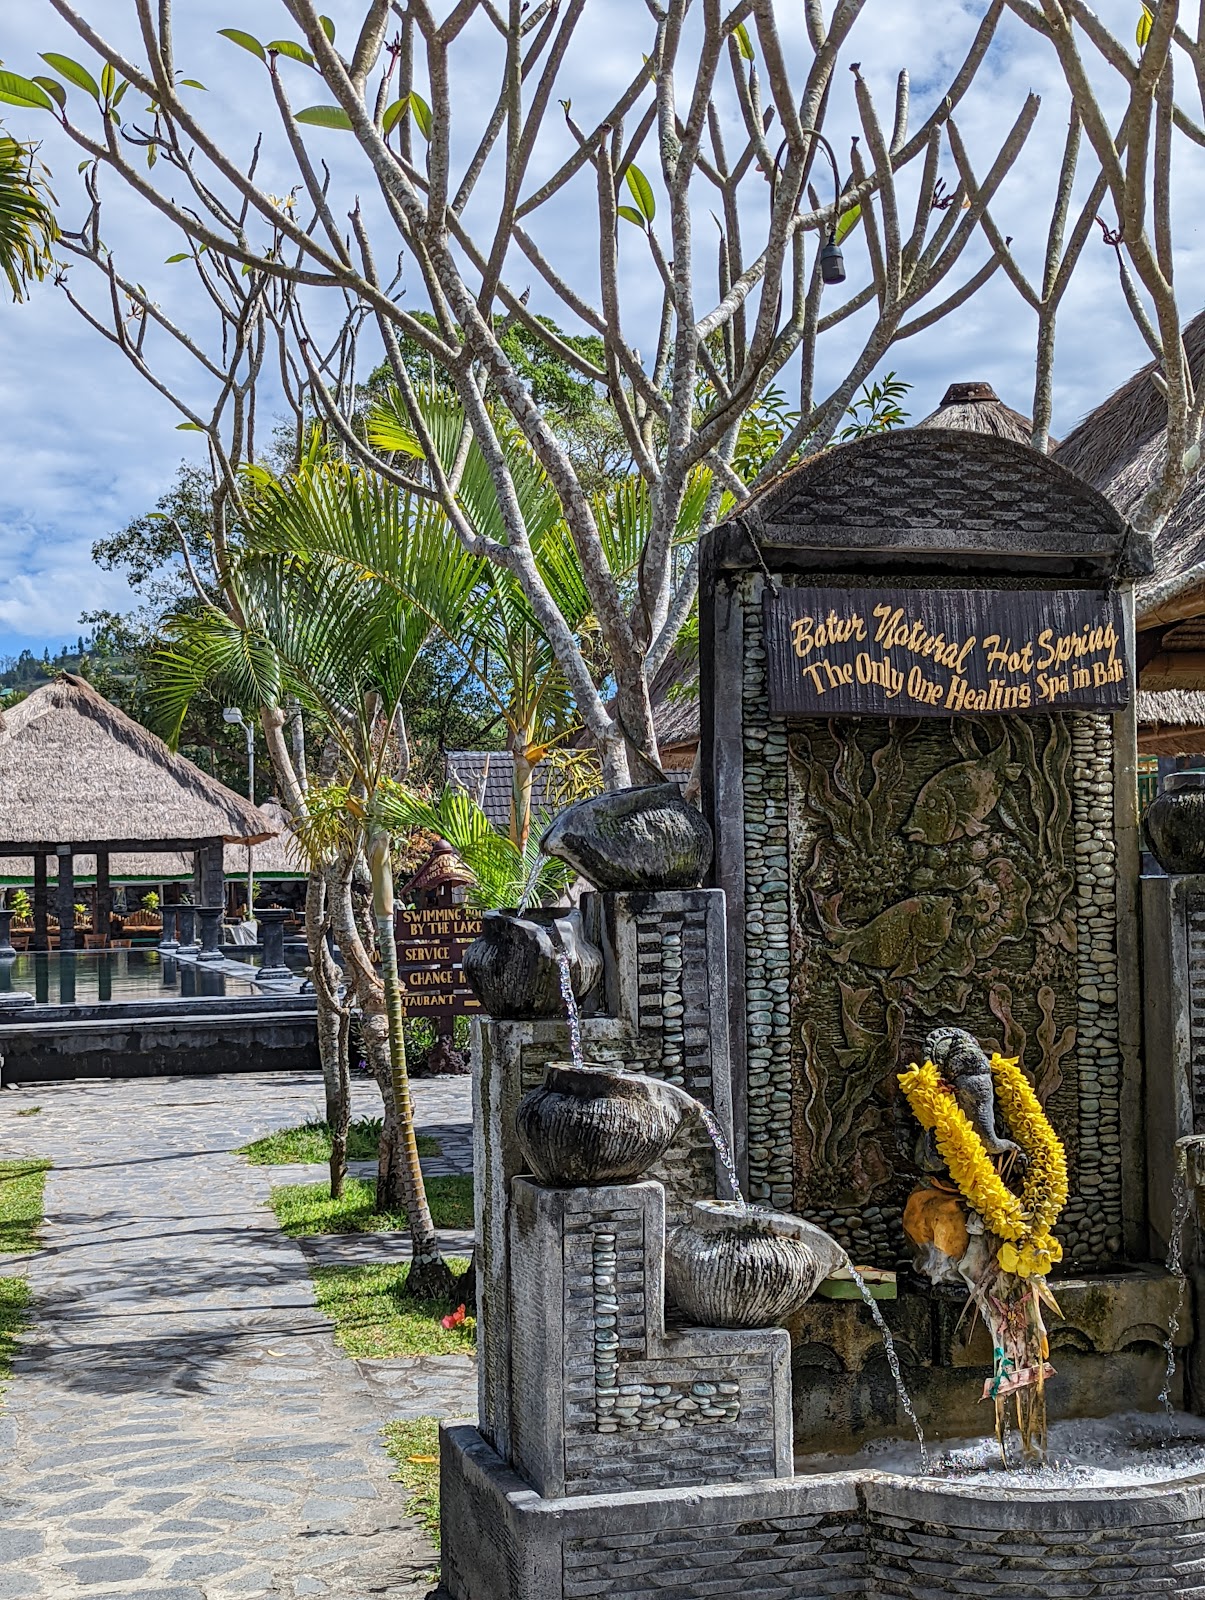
(512, 965)
(585, 1125)
(730, 1266)
(1175, 823)
(645, 838)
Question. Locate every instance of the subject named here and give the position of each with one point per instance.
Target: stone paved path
(181, 1425)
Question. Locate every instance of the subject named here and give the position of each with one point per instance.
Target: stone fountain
(918, 769)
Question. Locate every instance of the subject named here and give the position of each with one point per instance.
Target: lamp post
(234, 715)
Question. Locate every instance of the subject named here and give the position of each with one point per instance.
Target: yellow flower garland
(1022, 1221)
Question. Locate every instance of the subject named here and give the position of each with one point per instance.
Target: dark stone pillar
(272, 933)
(65, 898)
(104, 895)
(211, 932)
(168, 940)
(41, 940)
(7, 953)
(186, 921)
(209, 874)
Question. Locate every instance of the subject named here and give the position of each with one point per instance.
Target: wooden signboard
(430, 945)
(944, 652)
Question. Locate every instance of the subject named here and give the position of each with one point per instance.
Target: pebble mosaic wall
(1195, 939)
(646, 1406)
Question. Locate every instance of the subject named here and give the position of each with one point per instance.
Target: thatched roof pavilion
(1118, 448)
(977, 408)
(80, 778)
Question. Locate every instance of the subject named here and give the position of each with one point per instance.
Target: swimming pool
(89, 977)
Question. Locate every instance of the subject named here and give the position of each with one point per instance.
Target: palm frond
(27, 223)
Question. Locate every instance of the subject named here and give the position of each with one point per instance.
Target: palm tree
(27, 225)
(322, 633)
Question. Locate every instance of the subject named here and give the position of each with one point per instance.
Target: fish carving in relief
(955, 801)
(899, 940)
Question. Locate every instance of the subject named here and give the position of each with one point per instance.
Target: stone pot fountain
(730, 1266)
(512, 966)
(1175, 823)
(585, 1126)
(642, 838)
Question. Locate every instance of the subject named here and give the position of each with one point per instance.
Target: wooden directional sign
(430, 945)
(944, 652)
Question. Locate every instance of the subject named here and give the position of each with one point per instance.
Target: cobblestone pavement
(181, 1425)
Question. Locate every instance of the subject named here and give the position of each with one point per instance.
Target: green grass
(304, 1208)
(415, 1447)
(21, 1186)
(311, 1141)
(373, 1318)
(14, 1314)
(30, 1111)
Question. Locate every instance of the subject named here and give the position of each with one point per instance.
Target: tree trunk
(520, 794)
(430, 1276)
(333, 1030)
(634, 714)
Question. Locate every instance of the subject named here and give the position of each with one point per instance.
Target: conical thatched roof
(1117, 448)
(977, 408)
(76, 770)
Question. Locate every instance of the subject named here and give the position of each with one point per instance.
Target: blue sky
(85, 444)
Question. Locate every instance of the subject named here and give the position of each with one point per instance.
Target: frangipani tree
(711, 120)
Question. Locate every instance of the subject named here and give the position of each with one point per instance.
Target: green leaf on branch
(17, 91)
(324, 117)
(743, 42)
(55, 90)
(181, 255)
(1143, 31)
(393, 114)
(108, 81)
(328, 28)
(72, 71)
(847, 222)
(630, 214)
(295, 52)
(642, 193)
(191, 83)
(245, 41)
(189, 427)
(121, 89)
(422, 114)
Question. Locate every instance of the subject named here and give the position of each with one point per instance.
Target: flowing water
(893, 1361)
(533, 878)
(716, 1134)
(571, 1010)
(1181, 1204)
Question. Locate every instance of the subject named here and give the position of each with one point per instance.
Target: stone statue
(963, 1065)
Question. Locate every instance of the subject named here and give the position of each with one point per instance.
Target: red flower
(454, 1320)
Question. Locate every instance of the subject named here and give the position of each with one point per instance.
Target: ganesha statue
(985, 1218)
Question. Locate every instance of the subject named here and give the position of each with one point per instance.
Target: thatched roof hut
(977, 408)
(75, 770)
(1118, 449)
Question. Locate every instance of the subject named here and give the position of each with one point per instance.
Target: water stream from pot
(571, 1010)
(893, 1360)
(1181, 1204)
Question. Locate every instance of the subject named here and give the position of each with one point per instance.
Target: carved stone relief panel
(933, 881)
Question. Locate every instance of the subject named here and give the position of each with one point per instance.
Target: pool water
(89, 977)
